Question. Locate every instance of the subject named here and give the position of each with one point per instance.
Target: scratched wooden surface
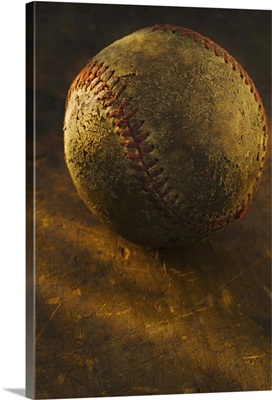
(113, 318)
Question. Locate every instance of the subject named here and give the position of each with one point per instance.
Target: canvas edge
(30, 199)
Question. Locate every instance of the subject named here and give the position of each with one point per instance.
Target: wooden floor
(113, 318)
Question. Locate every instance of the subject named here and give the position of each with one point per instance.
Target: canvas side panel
(30, 199)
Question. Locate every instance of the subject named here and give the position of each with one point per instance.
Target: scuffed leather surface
(203, 121)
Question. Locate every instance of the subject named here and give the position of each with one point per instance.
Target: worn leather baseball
(165, 136)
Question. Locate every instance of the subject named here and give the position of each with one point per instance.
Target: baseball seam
(110, 93)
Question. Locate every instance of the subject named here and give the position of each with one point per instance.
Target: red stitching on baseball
(146, 150)
(226, 56)
(234, 64)
(207, 43)
(135, 157)
(197, 37)
(132, 138)
(162, 182)
(140, 136)
(130, 114)
(131, 144)
(216, 49)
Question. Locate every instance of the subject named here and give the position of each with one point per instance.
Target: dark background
(113, 318)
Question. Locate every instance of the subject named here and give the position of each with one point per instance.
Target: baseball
(165, 136)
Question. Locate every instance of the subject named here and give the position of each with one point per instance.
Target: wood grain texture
(113, 318)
